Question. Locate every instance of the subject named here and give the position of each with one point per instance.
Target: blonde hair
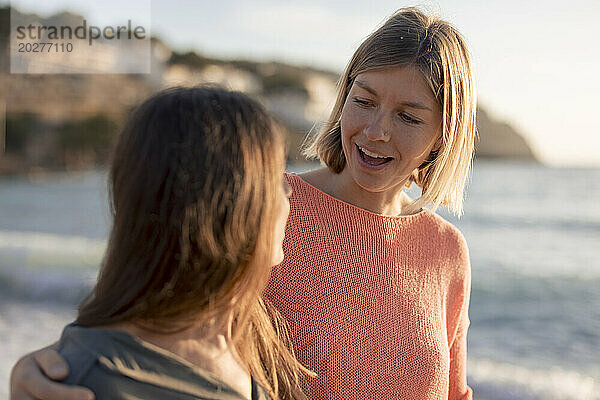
(194, 184)
(439, 52)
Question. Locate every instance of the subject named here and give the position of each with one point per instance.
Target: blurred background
(532, 212)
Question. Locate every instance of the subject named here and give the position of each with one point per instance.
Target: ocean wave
(61, 285)
(492, 380)
(50, 242)
(48, 285)
(554, 223)
(48, 267)
(49, 250)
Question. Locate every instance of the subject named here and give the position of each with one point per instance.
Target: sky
(536, 63)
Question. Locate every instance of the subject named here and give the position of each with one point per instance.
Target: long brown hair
(440, 53)
(193, 183)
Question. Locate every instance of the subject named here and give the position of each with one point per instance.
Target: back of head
(194, 184)
(193, 179)
(413, 38)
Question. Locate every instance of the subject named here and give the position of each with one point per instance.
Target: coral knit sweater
(377, 305)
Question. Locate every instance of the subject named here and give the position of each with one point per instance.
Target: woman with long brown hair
(200, 204)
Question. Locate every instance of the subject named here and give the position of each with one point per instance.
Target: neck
(391, 202)
(204, 345)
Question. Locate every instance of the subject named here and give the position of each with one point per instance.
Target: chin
(394, 178)
(370, 183)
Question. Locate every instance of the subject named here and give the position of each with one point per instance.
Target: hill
(61, 121)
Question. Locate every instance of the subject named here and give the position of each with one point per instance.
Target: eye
(408, 119)
(365, 103)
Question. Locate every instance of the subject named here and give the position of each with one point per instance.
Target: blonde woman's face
(283, 210)
(390, 123)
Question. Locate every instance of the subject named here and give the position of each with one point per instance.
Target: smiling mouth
(371, 158)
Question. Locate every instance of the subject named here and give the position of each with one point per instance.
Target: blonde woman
(374, 286)
(177, 311)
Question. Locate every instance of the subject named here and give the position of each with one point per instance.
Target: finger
(41, 388)
(28, 382)
(51, 363)
(18, 378)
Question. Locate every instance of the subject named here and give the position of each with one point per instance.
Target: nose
(379, 127)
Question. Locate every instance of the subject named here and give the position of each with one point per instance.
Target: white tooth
(367, 152)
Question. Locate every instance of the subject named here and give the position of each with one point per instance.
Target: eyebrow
(412, 104)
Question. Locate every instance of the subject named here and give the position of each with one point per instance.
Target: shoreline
(11, 169)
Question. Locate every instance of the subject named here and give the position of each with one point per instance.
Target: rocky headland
(69, 121)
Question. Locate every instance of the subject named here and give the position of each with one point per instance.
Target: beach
(533, 234)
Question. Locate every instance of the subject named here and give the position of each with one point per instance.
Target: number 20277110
(44, 47)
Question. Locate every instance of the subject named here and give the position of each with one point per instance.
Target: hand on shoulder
(32, 378)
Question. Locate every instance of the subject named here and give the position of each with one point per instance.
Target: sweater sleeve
(458, 388)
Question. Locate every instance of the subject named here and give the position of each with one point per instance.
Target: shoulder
(444, 232)
(73, 348)
(453, 237)
(307, 188)
(77, 347)
(86, 350)
(316, 178)
(451, 243)
(117, 365)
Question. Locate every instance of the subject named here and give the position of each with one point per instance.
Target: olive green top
(117, 365)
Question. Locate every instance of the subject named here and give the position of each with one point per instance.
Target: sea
(534, 237)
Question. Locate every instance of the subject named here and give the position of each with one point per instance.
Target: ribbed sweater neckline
(353, 209)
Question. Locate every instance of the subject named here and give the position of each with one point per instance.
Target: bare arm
(34, 374)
